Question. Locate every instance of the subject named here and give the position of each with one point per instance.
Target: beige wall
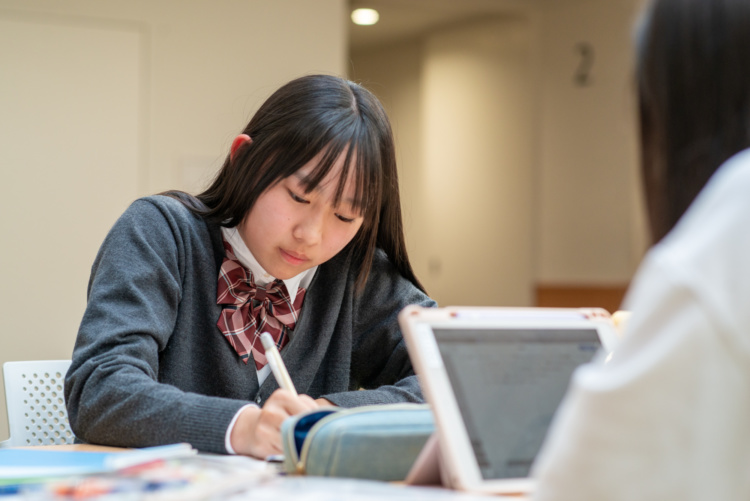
(477, 170)
(105, 101)
(590, 226)
(521, 177)
(461, 104)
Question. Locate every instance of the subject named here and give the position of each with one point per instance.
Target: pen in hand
(277, 365)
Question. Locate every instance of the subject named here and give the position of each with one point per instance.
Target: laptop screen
(508, 384)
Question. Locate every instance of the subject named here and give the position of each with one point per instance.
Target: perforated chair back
(36, 403)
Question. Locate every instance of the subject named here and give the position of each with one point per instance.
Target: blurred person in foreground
(668, 416)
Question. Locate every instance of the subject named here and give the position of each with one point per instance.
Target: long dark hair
(693, 78)
(307, 116)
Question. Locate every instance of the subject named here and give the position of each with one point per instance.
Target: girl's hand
(257, 431)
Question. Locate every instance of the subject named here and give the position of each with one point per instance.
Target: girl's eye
(345, 219)
(296, 198)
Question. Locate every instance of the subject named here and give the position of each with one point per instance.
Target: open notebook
(494, 378)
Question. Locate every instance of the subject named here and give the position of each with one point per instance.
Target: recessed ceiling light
(365, 17)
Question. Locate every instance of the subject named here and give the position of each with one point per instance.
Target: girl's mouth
(292, 257)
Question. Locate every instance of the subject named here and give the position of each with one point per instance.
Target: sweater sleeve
(112, 391)
(380, 361)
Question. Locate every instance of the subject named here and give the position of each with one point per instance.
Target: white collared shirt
(262, 278)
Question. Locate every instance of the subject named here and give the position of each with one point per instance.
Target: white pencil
(277, 365)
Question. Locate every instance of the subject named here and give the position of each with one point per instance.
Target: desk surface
(76, 447)
(335, 489)
(259, 481)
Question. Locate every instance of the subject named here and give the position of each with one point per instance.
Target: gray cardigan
(150, 366)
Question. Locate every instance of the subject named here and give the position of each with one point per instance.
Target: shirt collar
(261, 276)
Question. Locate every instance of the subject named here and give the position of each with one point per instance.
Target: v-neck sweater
(151, 367)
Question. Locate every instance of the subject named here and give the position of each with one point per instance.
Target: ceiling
(408, 19)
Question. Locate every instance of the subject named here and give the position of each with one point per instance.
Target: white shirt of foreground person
(668, 417)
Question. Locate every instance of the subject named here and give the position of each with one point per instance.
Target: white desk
(341, 489)
(254, 480)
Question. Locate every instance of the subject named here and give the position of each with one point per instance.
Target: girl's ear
(239, 141)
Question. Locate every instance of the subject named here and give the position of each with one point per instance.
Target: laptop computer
(494, 378)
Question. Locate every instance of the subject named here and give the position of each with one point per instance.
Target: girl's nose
(309, 230)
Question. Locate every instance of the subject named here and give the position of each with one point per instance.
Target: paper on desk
(29, 464)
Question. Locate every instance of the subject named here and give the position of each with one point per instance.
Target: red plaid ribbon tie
(250, 309)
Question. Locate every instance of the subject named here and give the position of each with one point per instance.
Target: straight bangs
(362, 159)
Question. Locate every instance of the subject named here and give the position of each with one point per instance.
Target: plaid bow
(251, 310)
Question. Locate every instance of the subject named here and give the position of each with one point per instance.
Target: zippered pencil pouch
(377, 442)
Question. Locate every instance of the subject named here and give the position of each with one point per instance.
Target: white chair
(36, 403)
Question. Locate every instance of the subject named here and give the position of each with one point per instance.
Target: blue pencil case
(377, 442)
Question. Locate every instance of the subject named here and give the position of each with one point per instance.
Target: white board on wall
(71, 113)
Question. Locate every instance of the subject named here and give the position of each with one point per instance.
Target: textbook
(21, 465)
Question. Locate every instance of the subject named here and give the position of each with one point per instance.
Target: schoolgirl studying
(299, 235)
